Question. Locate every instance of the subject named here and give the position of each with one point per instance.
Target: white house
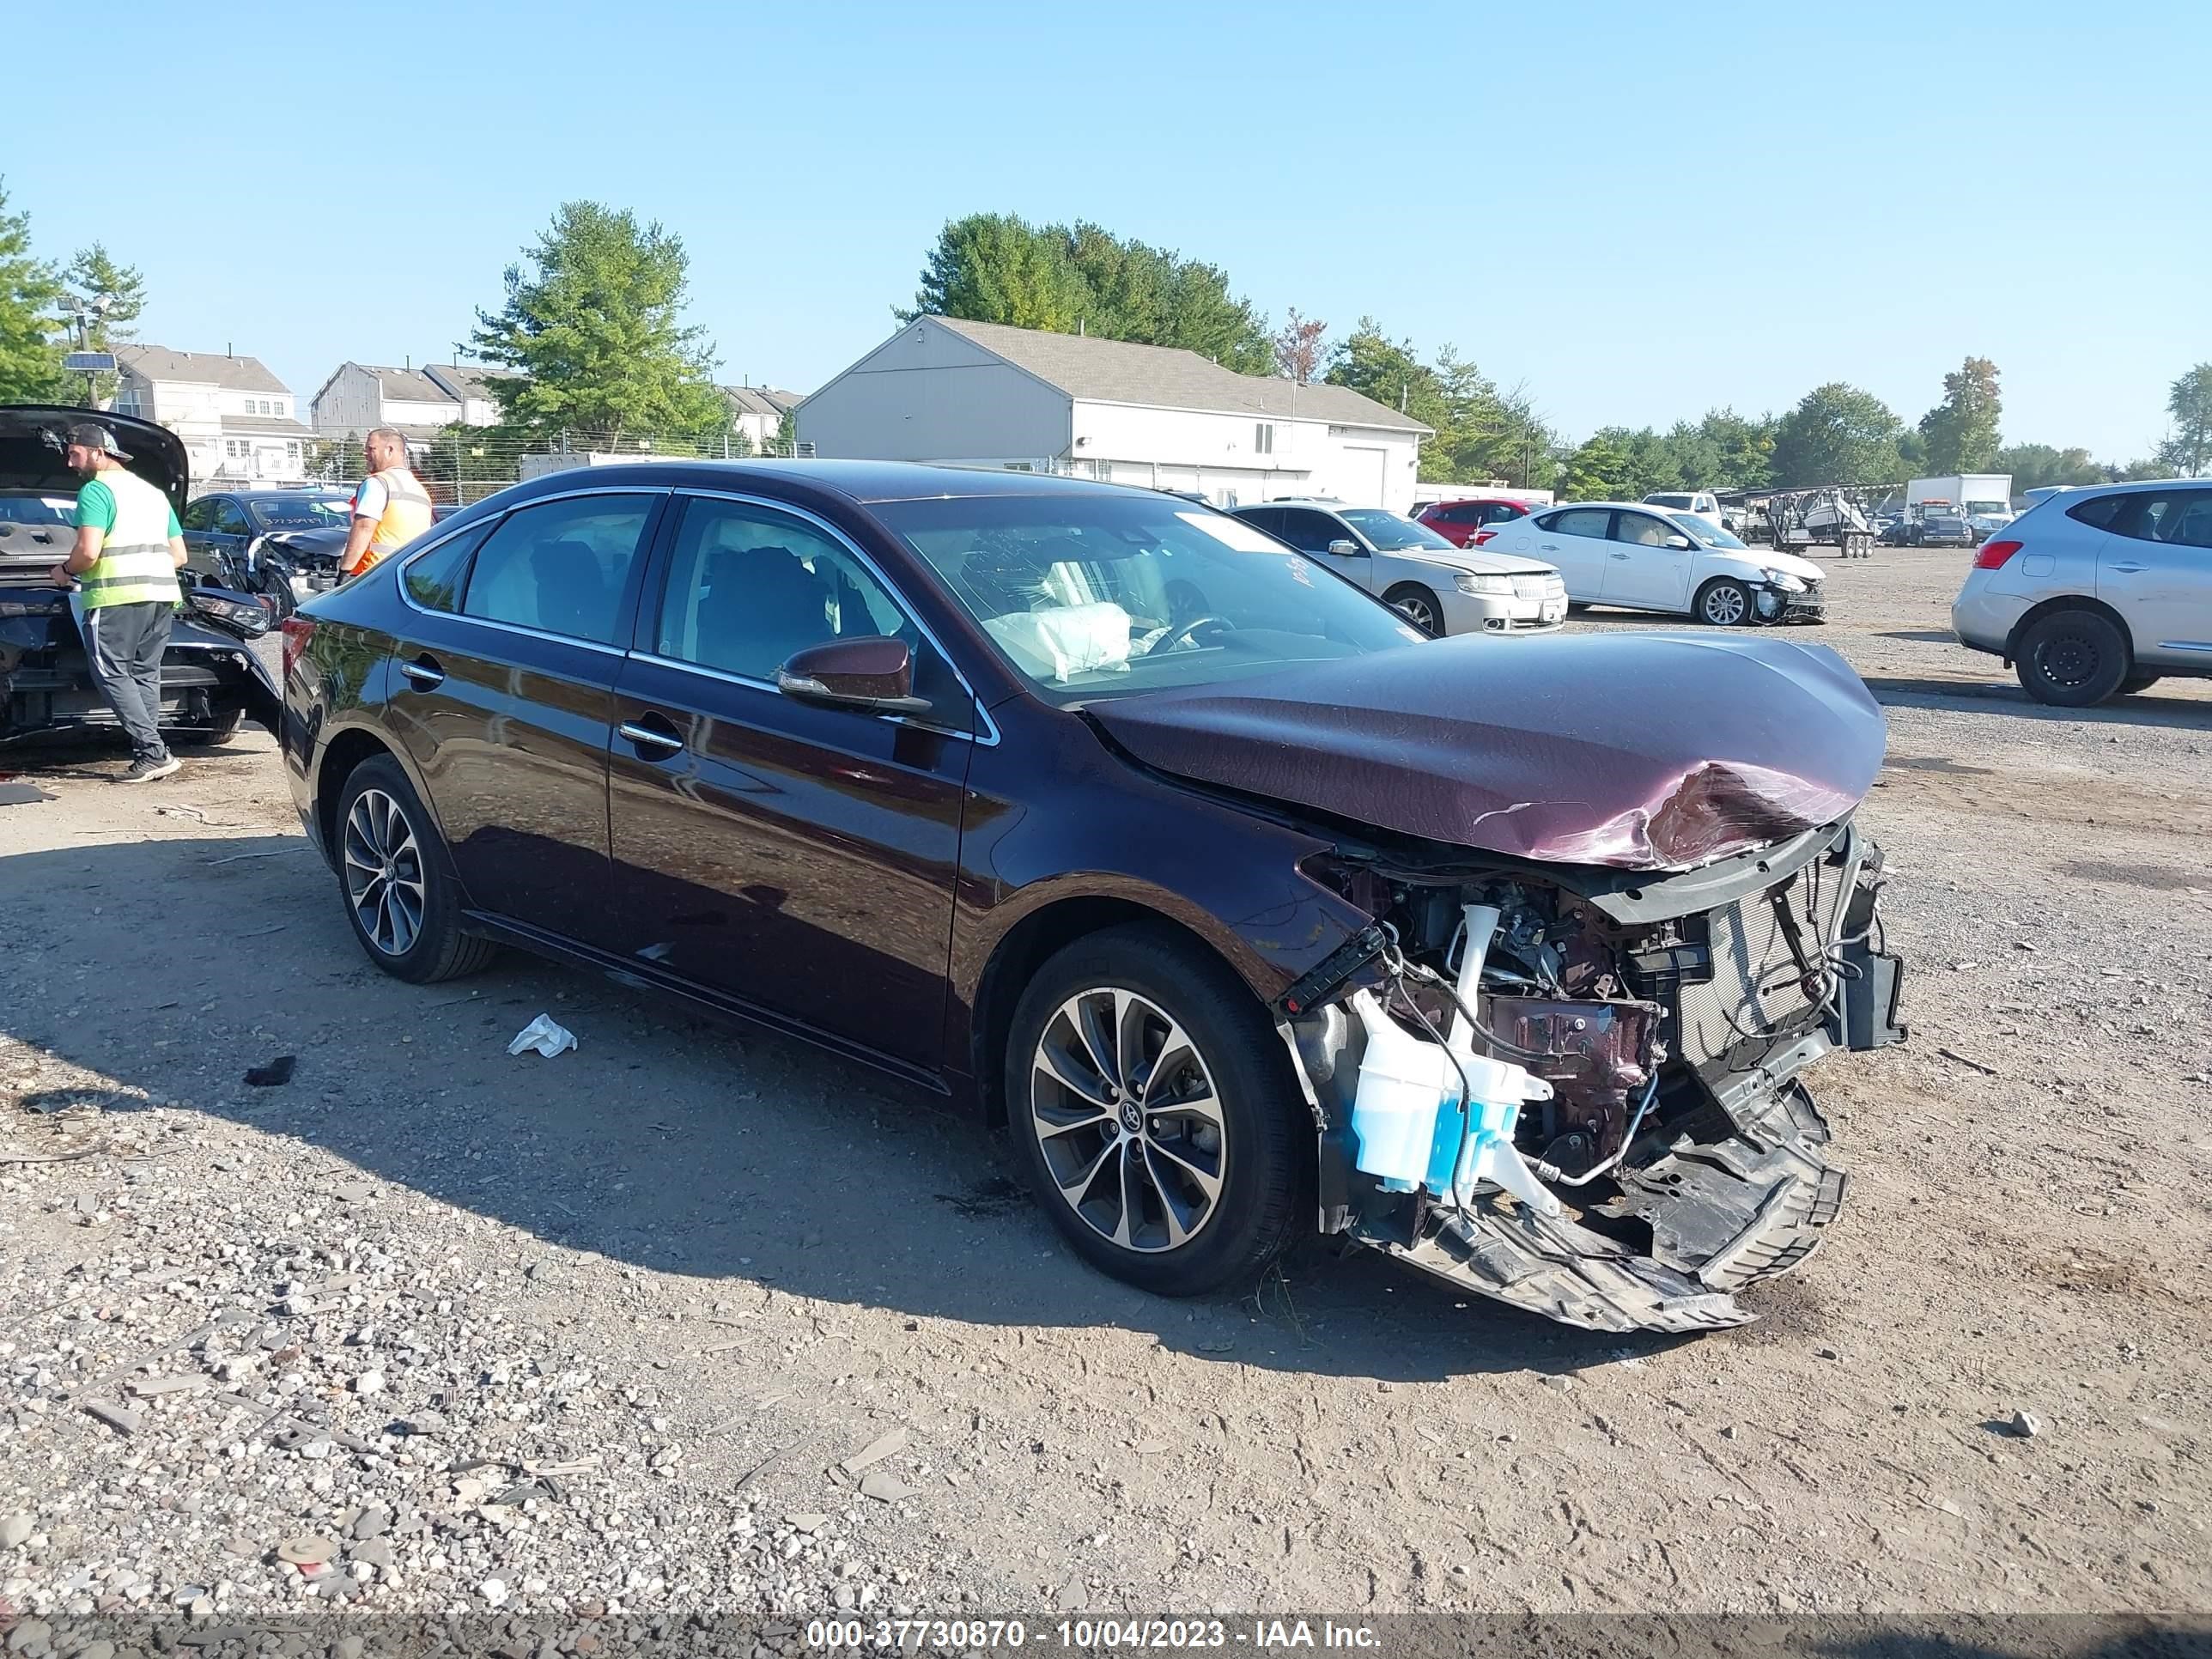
(943, 389)
(240, 424)
(359, 397)
(758, 411)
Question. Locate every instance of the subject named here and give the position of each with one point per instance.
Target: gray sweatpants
(124, 644)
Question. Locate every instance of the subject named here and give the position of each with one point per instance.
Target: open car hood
(31, 451)
(1653, 751)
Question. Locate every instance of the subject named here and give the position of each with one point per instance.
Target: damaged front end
(1664, 1154)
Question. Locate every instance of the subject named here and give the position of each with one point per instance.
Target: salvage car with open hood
(1249, 910)
(211, 682)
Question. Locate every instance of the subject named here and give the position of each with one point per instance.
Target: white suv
(2097, 591)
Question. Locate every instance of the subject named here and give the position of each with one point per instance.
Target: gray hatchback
(2097, 591)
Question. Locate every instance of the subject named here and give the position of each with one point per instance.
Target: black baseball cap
(93, 436)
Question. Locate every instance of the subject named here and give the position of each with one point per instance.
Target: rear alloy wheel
(393, 874)
(2072, 658)
(1418, 606)
(1725, 602)
(1152, 1111)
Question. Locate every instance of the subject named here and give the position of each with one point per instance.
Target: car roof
(862, 483)
(2133, 486)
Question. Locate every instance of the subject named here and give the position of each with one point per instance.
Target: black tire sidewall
(1266, 1180)
(2115, 662)
(1698, 605)
(428, 958)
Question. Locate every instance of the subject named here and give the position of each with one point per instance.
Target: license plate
(1553, 609)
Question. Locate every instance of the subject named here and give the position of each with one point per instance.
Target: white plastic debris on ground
(548, 1037)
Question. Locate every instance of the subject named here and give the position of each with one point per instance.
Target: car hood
(318, 543)
(30, 450)
(1484, 564)
(1656, 751)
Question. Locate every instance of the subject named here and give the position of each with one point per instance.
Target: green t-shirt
(95, 509)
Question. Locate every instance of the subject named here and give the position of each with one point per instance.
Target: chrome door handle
(1620, 555)
(646, 738)
(1549, 547)
(423, 672)
(2130, 568)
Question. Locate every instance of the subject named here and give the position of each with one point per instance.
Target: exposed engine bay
(1660, 1153)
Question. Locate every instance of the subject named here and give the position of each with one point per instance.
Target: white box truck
(1982, 499)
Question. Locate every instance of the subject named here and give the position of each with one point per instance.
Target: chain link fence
(461, 464)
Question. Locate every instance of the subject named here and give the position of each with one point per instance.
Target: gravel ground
(693, 1319)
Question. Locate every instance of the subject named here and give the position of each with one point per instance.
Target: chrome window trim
(989, 737)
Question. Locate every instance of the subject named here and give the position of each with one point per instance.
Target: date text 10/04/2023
(892, 1635)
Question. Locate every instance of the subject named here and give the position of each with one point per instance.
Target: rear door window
(560, 567)
(1590, 521)
(434, 578)
(2173, 517)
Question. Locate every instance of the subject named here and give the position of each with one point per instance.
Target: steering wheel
(1183, 631)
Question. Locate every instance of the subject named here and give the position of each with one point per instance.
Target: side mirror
(1345, 549)
(870, 673)
(1680, 544)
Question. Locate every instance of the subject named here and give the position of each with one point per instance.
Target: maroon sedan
(1109, 817)
(1473, 522)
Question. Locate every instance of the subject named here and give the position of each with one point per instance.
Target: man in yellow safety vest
(390, 509)
(129, 550)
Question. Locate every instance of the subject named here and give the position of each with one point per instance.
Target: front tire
(396, 880)
(2072, 659)
(2134, 683)
(1418, 606)
(1725, 602)
(1154, 1113)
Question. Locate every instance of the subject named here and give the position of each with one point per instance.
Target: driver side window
(749, 587)
(1640, 530)
(1312, 532)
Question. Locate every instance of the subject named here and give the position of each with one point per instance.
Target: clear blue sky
(1640, 210)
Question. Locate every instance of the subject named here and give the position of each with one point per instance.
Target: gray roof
(408, 385)
(763, 400)
(1167, 377)
(200, 367)
(463, 381)
(263, 425)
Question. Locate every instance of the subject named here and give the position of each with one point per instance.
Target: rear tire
(226, 728)
(2072, 658)
(396, 880)
(1725, 602)
(1175, 1202)
(1418, 606)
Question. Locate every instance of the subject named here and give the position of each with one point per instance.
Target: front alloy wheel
(1153, 1110)
(1127, 1119)
(1724, 604)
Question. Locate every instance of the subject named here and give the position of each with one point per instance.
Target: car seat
(761, 605)
(571, 590)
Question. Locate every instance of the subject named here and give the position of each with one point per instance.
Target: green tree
(1962, 431)
(997, 268)
(30, 356)
(1598, 471)
(594, 324)
(1369, 361)
(1744, 445)
(2188, 449)
(114, 296)
(1838, 434)
(2034, 466)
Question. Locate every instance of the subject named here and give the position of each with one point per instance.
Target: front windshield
(1388, 531)
(301, 512)
(1703, 530)
(1090, 596)
(1988, 509)
(36, 509)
